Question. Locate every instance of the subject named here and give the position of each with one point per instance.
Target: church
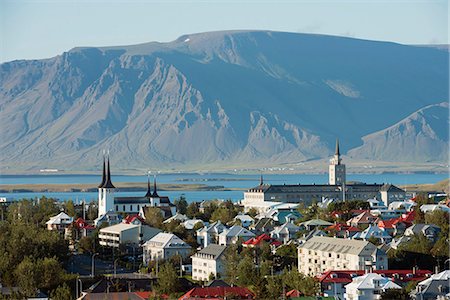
(263, 195)
(107, 202)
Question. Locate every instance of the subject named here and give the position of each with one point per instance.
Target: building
(373, 231)
(336, 174)
(233, 234)
(364, 218)
(332, 283)
(341, 230)
(435, 287)
(129, 205)
(132, 234)
(336, 188)
(320, 254)
(430, 231)
(285, 232)
(368, 287)
(59, 222)
(209, 260)
(164, 246)
(217, 293)
(210, 234)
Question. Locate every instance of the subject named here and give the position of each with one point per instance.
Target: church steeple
(108, 184)
(155, 193)
(261, 181)
(149, 192)
(104, 173)
(337, 148)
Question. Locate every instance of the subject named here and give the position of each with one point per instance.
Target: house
(369, 286)
(210, 234)
(435, 287)
(320, 254)
(373, 231)
(126, 233)
(109, 218)
(258, 241)
(430, 231)
(176, 217)
(190, 224)
(233, 234)
(406, 205)
(314, 223)
(245, 220)
(342, 230)
(209, 260)
(376, 204)
(59, 222)
(164, 246)
(393, 226)
(426, 208)
(364, 218)
(263, 225)
(83, 228)
(217, 293)
(333, 282)
(285, 232)
(396, 243)
(390, 193)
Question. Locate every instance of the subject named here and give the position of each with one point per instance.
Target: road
(82, 263)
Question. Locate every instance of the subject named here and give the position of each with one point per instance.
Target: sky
(35, 29)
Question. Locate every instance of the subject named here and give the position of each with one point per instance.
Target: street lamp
(81, 286)
(93, 266)
(115, 262)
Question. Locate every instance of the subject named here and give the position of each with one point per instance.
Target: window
(131, 207)
(123, 207)
(117, 207)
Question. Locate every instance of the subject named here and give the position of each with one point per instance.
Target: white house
(233, 234)
(59, 222)
(210, 234)
(285, 232)
(375, 232)
(209, 260)
(163, 246)
(435, 287)
(320, 253)
(368, 287)
(124, 233)
(246, 220)
(176, 217)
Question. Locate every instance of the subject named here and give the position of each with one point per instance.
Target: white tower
(336, 170)
(105, 191)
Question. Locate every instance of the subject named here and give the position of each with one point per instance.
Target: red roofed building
(332, 283)
(256, 241)
(342, 230)
(83, 228)
(133, 219)
(222, 292)
(293, 294)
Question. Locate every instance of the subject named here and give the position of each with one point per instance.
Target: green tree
(27, 277)
(274, 287)
(181, 204)
(247, 272)
(418, 243)
(69, 208)
(167, 279)
(50, 272)
(92, 211)
(86, 244)
(62, 292)
(154, 217)
(231, 264)
(192, 211)
(398, 294)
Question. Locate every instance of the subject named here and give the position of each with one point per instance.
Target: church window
(123, 208)
(117, 207)
(131, 207)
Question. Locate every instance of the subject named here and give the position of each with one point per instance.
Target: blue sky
(40, 29)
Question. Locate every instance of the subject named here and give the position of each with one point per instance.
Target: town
(341, 240)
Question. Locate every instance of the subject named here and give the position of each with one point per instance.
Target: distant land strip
(121, 187)
(441, 186)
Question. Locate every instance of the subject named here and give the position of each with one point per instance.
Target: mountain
(421, 136)
(232, 98)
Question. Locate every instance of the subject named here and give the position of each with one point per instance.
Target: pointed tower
(149, 192)
(261, 180)
(155, 193)
(336, 169)
(106, 191)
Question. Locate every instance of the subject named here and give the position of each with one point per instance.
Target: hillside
(248, 98)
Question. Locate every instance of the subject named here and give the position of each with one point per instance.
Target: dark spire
(104, 173)
(261, 181)
(149, 192)
(337, 148)
(155, 193)
(108, 184)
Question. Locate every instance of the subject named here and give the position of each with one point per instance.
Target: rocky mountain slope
(223, 98)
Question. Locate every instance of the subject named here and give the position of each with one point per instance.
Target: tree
(92, 212)
(86, 244)
(309, 286)
(418, 243)
(167, 279)
(192, 210)
(153, 217)
(27, 277)
(398, 294)
(247, 272)
(181, 204)
(62, 292)
(69, 208)
(231, 264)
(274, 287)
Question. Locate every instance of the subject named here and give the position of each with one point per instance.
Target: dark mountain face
(247, 97)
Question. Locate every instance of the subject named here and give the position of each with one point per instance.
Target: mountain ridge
(246, 97)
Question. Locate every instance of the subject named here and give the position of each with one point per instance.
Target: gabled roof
(256, 241)
(237, 230)
(342, 227)
(337, 245)
(316, 222)
(212, 249)
(177, 216)
(81, 223)
(61, 218)
(345, 276)
(130, 218)
(286, 227)
(390, 188)
(367, 281)
(166, 240)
